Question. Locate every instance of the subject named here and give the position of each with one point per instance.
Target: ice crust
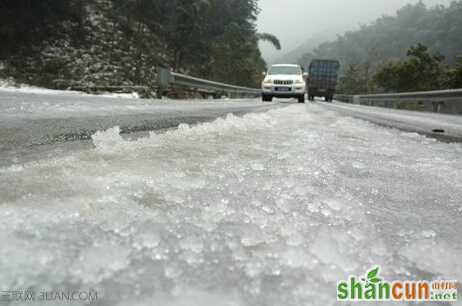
(7, 86)
(266, 209)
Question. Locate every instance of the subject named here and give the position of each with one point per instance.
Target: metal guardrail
(345, 98)
(168, 82)
(167, 79)
(439, 101)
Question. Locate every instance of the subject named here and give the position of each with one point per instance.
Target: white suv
(284, 81)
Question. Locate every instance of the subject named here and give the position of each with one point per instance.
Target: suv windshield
(285, 70)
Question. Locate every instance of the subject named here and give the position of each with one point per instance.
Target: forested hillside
(62, 43)
(389, 38)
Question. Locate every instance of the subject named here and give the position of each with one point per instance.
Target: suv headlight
(268, 81)
(299, 82)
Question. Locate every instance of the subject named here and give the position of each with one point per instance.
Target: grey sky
(294, 21)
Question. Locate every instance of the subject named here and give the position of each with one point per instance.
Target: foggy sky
(295, 21)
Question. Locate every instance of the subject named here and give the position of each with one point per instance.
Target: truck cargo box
(323, 75)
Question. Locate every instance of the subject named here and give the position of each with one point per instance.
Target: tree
(455, 76)
(271, 39)
(421, 71)
(353, 82)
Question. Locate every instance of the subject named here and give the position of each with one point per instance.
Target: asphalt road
(444, 127)
(44, 125)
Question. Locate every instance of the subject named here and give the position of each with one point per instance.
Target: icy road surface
(444, 127)
(31, 122)
(266, 209)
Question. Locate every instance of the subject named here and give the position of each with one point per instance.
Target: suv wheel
(266, 98)
(301, 99)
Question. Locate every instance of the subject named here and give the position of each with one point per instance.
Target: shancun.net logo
(372, 288)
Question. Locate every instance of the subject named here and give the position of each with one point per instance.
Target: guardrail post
(164, 78)
(437, 106)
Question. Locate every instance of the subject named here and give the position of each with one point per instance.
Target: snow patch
(108, 141)
(9, 85)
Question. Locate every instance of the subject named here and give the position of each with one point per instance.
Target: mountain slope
(389, 37)
(66, 43)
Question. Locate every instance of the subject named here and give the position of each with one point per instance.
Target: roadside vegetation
(419, 71)
(60, 44)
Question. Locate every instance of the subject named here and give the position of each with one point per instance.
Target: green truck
(322, 80)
